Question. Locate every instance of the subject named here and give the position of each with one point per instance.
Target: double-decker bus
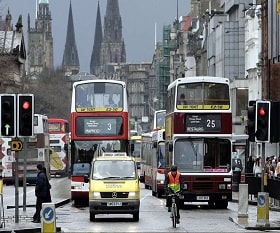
(199, 137)
(135, 140)
(159, 119)
(152, 168)
(99, 123)
(59, 146)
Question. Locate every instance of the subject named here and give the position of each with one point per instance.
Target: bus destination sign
(199, 123)
(98, 126)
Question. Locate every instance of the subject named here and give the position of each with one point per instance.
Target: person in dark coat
(41, 192)
(49, 198)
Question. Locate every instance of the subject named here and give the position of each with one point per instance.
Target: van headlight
(133, 194)
(95, 195)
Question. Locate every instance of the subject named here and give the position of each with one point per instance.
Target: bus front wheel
(221, 204)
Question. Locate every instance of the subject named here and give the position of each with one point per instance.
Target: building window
(241, 100)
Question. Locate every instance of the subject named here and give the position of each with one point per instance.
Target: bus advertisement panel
(99, 123)
(8, 157)
(59, 146)
(199, 137)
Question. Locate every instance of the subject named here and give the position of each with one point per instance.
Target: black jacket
(42, 186)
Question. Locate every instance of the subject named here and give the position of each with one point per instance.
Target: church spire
(112, 22)
(112, 48)
(98, 37)
(70, 62)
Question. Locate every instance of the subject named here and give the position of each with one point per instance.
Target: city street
(153, 215)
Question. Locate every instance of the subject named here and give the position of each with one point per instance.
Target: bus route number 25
(210, 123)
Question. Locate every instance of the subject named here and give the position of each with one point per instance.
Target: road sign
(48, 214)
(48, 217)
(16, 145)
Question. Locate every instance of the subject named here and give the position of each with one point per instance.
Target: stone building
(108, 50)
(40, 40)
(12, 56)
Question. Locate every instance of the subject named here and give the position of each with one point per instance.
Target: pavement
(61, 195)
(264, 224)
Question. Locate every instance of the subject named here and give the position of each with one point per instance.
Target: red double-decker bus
(99, 123)
(59, 146)
(199, 137)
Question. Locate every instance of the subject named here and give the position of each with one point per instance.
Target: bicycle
(174, 207)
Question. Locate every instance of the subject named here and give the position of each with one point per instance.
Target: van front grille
(114, 194)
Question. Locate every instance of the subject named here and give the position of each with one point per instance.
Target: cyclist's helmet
(174, 168)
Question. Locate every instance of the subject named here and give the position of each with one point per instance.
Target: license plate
(202, 198)
(114, 203)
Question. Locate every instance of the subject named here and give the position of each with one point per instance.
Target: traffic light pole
(16, 189)
(25, 172)
(263, 166)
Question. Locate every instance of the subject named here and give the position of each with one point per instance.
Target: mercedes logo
(114, 194)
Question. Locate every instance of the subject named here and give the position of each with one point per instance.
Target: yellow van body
(114, 186)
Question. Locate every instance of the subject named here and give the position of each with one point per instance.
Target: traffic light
(8, 115)
(263, 121)
(251, 121)
(25, 115)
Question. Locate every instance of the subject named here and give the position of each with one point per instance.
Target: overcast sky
(139, 18)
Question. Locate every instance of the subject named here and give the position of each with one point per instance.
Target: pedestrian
(250, 165)
(257, 167)
(277, 169)
(269, 169)
(173, 184)
(41, 192)
(49, 198)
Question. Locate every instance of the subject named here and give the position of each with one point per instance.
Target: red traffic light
(262, 111)
(26, 105)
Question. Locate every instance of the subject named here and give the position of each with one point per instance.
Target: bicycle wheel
(174, 215)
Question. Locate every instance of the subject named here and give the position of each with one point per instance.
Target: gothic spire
(70, 61)
(112, 22)
(98, 37)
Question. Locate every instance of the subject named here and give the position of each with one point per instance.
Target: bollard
(263, 210)
(48, 218)
(243, 204)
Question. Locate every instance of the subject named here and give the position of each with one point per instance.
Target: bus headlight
(229, 186)
(185, 187)
(222, 186)
(160, 181)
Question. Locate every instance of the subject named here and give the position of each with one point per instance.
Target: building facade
(40, 40)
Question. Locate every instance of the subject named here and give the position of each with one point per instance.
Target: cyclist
(173, 184)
